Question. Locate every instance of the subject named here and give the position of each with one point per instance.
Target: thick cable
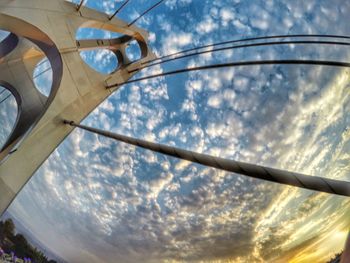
(80, 5)
(118, 10)
(309, 42)
(246, 40)
(238, 64)
(314, 183)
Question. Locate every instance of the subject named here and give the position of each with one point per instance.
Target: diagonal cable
(145, 12)
(119, 9)
(315, 183)
(238, 64)
(1, 92)
(42, 72)
(80, 5)
(293, 42)
(3, 100)
(246, 40)
(42, 62)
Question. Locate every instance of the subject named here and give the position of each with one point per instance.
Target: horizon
(97, 200)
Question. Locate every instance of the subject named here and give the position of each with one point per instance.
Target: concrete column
(76, 90)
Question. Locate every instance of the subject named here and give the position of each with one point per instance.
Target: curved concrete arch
(32, 104)
(8, 45)
(18, 99)
(15, 94)
(117, 45)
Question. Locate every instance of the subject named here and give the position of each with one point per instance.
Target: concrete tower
(42, 28)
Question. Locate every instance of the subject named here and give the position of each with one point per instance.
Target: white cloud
(142, 206)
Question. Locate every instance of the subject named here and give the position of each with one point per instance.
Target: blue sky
(95, 200)
(8, 108)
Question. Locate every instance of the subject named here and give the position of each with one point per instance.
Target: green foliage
(17, 243)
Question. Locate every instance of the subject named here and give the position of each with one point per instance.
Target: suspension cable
(118, 10)
(1, 92)
(238, 64)
(243, 46)
(245, 40)
(80, 5)
(145, 12)
(315, 183)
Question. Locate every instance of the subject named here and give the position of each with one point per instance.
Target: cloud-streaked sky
(96, 200)
(8, 108)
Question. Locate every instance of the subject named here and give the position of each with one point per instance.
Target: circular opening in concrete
(133, 51)
(8, 114)
(103, 61)
(42, 77)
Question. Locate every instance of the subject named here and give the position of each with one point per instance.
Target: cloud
(110, 201)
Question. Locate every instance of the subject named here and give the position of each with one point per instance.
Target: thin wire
(1, 92)
(244, 40)
(118, 10)
(243, 46)
(42, 72)
(42, 62)
(9, 95)
(238, 64)
(315, 183)
(145, 12)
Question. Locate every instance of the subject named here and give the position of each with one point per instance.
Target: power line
(118, 10)
(315, 183)
(145, 12)
(239, 64)
(245, 40)
(244, 46)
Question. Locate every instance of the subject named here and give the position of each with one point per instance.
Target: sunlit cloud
(111, 202)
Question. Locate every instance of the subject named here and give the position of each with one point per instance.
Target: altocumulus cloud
(111, 202)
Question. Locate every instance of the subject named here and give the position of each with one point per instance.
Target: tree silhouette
(18, 244)
(9, 228)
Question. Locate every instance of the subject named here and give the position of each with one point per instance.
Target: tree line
(12, 242)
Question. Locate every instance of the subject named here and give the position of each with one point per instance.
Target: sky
(96, 200)
(8, 108)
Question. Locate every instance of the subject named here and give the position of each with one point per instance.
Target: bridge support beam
(48, 29)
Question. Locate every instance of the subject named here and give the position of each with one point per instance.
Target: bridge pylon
(39, 29)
